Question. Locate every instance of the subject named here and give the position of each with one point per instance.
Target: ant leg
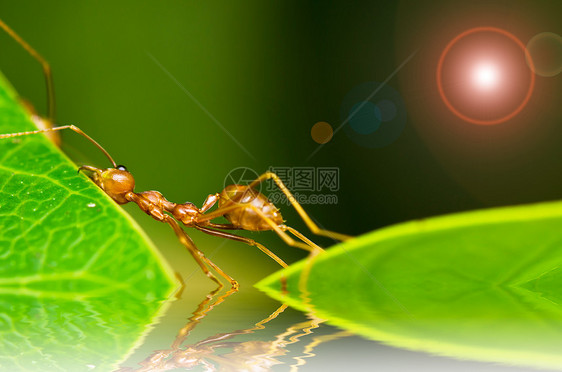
(248, 241)
(89, 168)
(242, 239)
(279, 229)
(229, 335)
(223, 226)
(198, 255)
(308, 350)
(179, 293)
(44, 65)
(293, 333)
(54, 129)
(153, 210)
(209, 202)
(306, 218)
(275, 314)
(258, 326)
(199, 314)
(309, 242)
(229, 206)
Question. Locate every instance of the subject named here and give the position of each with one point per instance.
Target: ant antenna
(44, 64)
(54, 129)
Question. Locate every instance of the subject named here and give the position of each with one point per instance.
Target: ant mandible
(243, 206)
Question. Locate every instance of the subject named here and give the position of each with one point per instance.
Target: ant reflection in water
(221, 353)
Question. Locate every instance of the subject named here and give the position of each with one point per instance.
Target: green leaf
(79, 281)
(484, 285)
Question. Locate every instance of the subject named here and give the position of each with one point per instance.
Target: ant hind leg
(308, 245)
(279, 229)
(306, 218)
(242, 239)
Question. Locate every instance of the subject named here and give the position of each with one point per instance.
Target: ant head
(116, 182)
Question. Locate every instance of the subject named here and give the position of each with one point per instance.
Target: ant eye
(122, 167)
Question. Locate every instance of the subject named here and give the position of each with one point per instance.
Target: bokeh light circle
(387, 110)
(374, 113)
(545, 50)
(322, 132)
(366, 117)
(487, 77)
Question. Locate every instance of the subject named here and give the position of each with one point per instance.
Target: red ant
(242, 205)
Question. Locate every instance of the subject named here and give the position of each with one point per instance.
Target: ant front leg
(306, 218)
(158, 214)
(199, 256)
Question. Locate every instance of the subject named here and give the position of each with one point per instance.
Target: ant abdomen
(246, 217)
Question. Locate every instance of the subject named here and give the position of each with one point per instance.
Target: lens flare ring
(486, 76)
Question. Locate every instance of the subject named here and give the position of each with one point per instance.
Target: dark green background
(269, 71)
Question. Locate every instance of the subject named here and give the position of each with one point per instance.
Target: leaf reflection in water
(220, 352)
(482, 285)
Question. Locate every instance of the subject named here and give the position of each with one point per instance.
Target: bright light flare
(483, 76)
(486, 76)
